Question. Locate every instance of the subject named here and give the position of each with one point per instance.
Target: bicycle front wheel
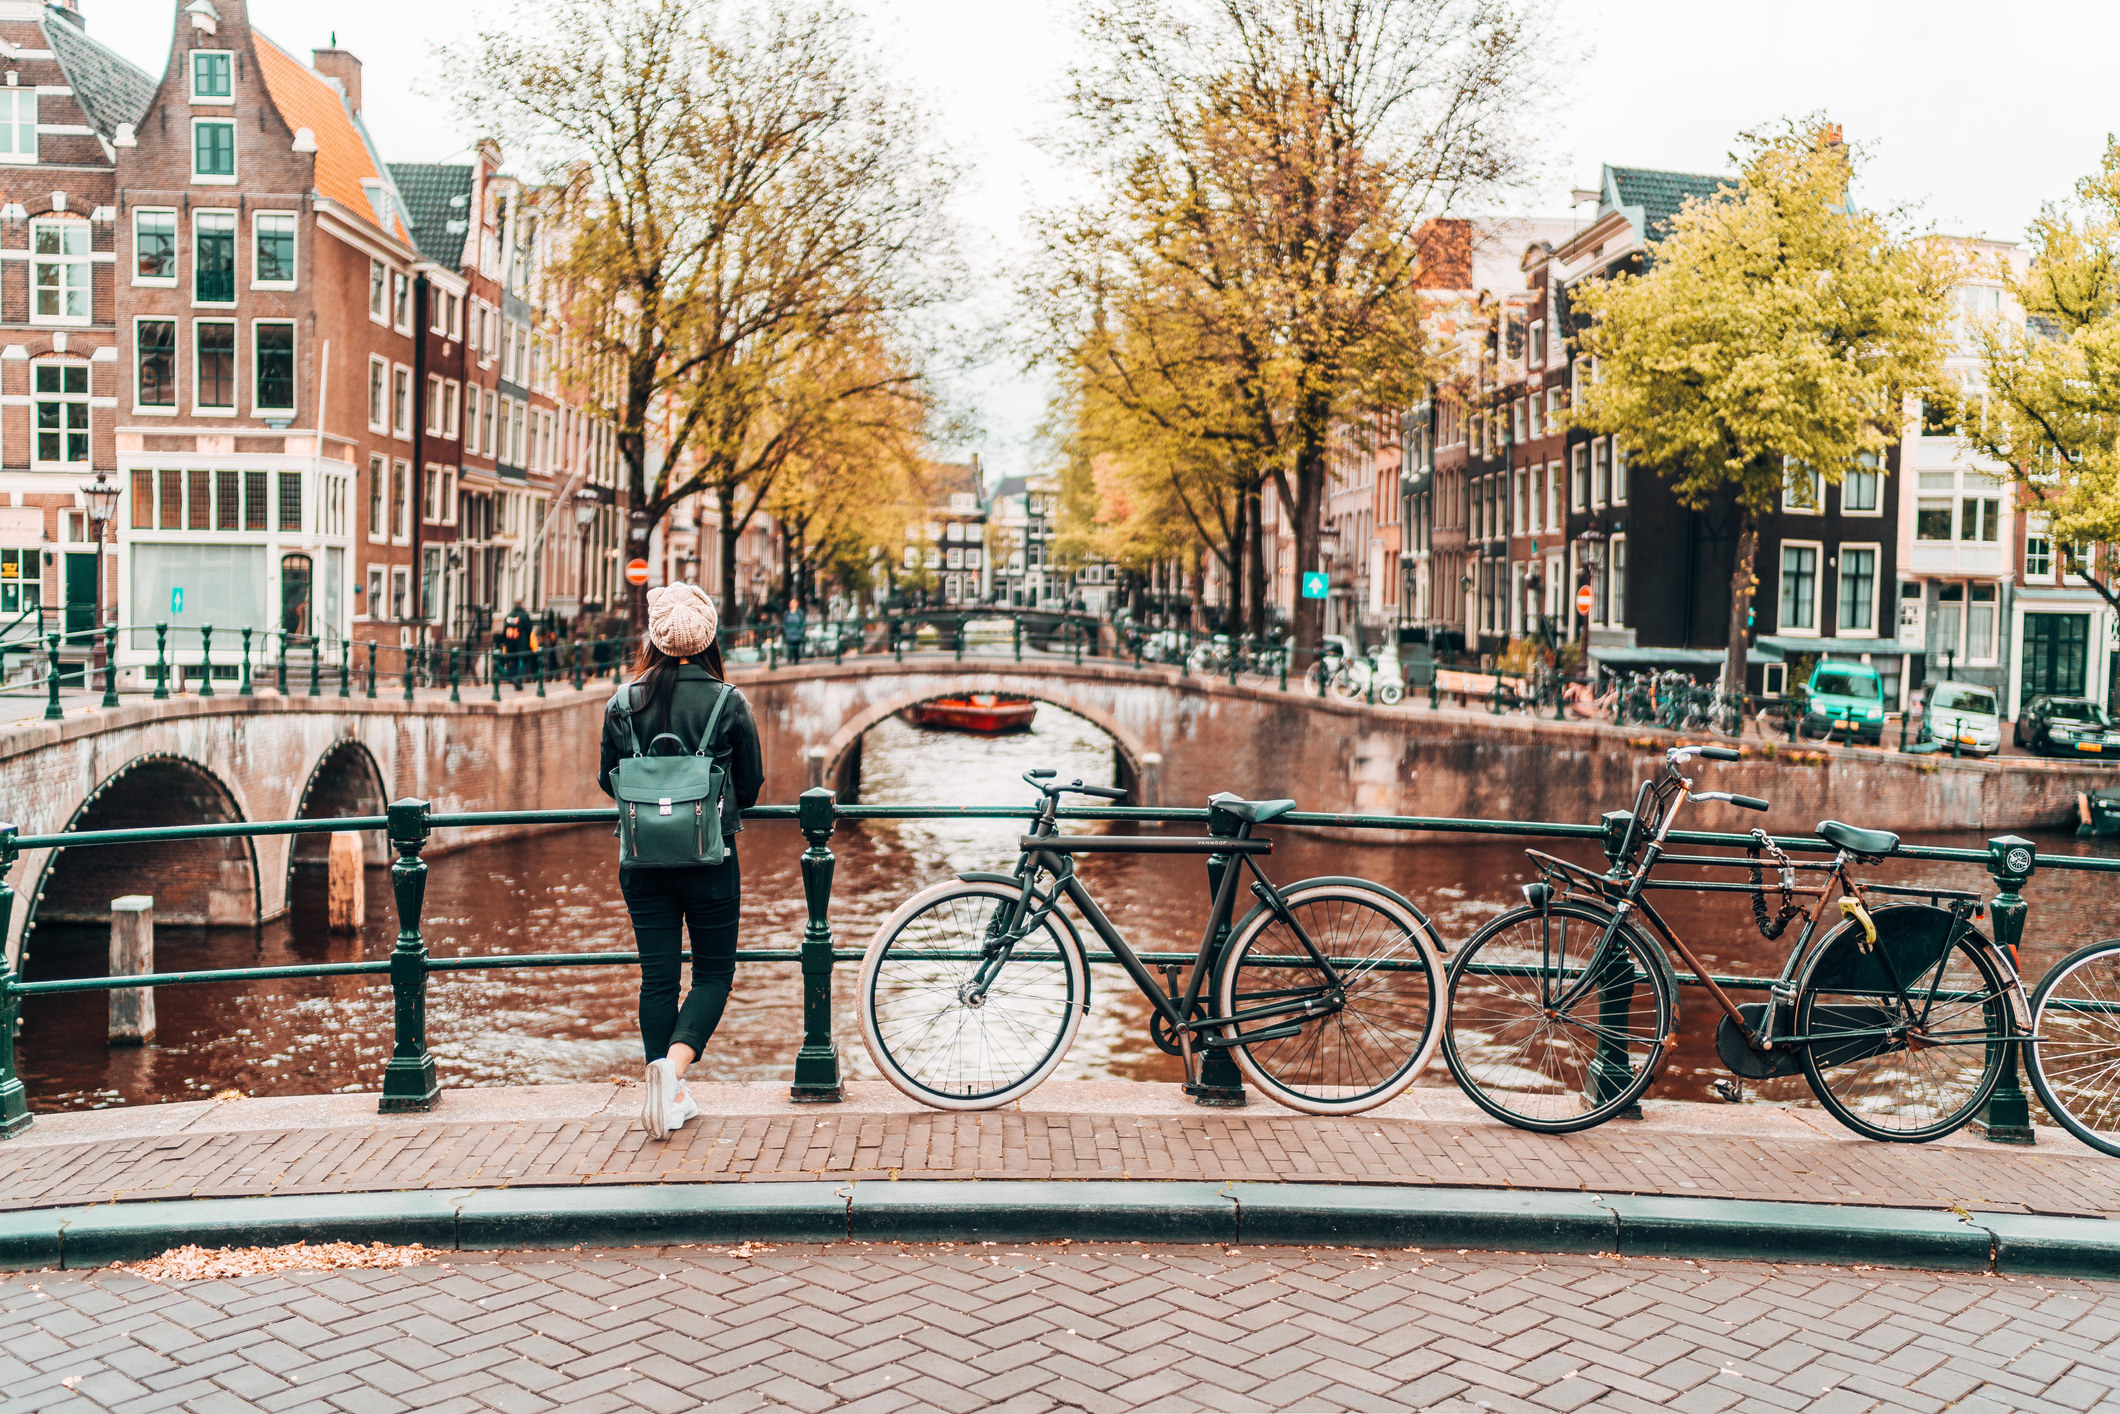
(1538, 1040)
(1349, 1056)
(1895, 1047)
(940, 1034)
(2076, 1064)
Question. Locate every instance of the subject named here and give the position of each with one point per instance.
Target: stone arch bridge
(1177, 740)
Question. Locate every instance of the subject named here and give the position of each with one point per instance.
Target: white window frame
(1613, 569)
(436, 387)
(170, 408)
(1781, 569)
(294, 393)
(200, 217)
(378, 577)
(449, 477)
(207, 179)
(2037, 527)
(378, 499)
(452, 405)
(378, 393)
(1789, 472)
(191, 79)
(85, 261)
(401, 394)
(1994, 654)
(235, 370)
(1877, 470)
(401, 301)
(401, 511)
(1619, 473)
(257, 220)
(1600, 462)
(1579, 477)
(378, 292)
(84, 400)
(1876, 587)
(13, 124)
(158, 282)
(401, 593)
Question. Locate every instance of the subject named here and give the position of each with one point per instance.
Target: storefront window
(295, 575)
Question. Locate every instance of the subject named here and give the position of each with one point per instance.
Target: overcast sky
(1978, 112)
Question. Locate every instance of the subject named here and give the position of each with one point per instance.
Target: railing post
(316, 666)
(14, 1099)
(52, 711)
(452, 674)
(405, 669)
(371, 669)
(408, 1078)
(345, 667)
(493, 670)
(161, 662)
(1221, 1085)
(110, 665)
(1018, 622)
(280, 673)
(538, 667)
(574, 668)
(817, 1063)
(1282, 657)
(2007, 1117)
(246, 689)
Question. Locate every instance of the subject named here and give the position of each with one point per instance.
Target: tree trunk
(1199, 589)
(1239, 545)
(727, 531)
(1256, 564)
(1744, 580)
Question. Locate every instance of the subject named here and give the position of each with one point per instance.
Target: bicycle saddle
(1258, 812)
(1856, 841)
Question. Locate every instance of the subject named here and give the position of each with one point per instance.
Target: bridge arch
(209, 881)
(842, 753)
(345, 781)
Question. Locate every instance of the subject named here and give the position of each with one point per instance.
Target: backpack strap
(622, 704)
(713, 719)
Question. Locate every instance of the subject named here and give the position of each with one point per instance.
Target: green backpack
(669, 807)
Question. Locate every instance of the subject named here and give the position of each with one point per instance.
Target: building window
(213, 150)
(1980, 624)
(210, 76)
(401, 302)
(1858, 589)
(213, 264)
(290, 501)
(434, 404)
(401, 502)
(1616, 571)
(1600, 471)
(272, 261)
(217, 364)
(375, 605)
(1803, 490)
(486, 442)
(2038, 550)
(1619, 474)
(1536, 354)
(378, 292)
(154, 247)
(400, 591)
(59, 271)
(156, 362)
(378, 473)
(273, 347)
(1861, 488)
(18, 124)
(401, 401)
(1799, 588)
(1932, 518)
(62, 413)
(1979, 519)
(1579, 478)
(452, 406)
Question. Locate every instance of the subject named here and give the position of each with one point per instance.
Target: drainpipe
(422, 295)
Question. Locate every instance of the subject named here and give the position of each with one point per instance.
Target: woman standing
(677, 682)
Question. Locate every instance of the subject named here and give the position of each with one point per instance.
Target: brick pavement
(495, 1138)
(1030, 1328)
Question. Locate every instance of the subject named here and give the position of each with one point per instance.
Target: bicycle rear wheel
(1361, 1053)
(2076, 1064)
(1533, 1047)
(1913, 1061)
(934, 1033)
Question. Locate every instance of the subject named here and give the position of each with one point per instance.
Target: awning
(1774, 648)
(1657, 657)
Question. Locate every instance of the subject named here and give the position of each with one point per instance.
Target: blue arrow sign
(176, 600)
(1316, 585)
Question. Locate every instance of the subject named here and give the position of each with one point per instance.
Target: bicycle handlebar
(1707, 753)
(1749, 802)
(1045, 774)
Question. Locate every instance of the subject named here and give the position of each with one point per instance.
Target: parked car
(1846, 700)
(2067, 726)
(1964, 713)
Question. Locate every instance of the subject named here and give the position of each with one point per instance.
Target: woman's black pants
(664, 903)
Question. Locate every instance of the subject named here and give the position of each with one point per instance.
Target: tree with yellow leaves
(1776, 327)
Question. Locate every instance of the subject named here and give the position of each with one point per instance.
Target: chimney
(340, 64)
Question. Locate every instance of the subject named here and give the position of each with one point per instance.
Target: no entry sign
(1582, 600)
(637, 573)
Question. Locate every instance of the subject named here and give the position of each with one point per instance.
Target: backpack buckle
(665, 803)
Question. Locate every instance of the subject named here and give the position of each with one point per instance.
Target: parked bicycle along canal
(558, 892)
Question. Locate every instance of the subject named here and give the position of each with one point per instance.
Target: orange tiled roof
(306, 100)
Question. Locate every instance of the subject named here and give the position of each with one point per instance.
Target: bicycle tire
(1390, 693)
(1346, 686)
(2081, 1043)
(1823, 731)
(1012, 1047)
(1358, 1056)
(1927, 1092)
(1531, 1069)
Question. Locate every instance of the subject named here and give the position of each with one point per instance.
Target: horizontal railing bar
(233, 829)
(178, 979)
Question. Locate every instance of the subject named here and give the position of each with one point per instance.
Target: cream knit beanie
(681, 619)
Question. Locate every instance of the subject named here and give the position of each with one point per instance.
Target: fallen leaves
(191, 1263)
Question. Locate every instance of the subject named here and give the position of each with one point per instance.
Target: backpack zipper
(699, 827)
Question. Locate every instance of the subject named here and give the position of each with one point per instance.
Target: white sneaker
(684, 1107)
(655, 1105)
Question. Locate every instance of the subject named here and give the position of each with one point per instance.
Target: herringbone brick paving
(1103, 1327)
(1260, 1144)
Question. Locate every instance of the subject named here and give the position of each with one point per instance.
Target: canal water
(558, 892)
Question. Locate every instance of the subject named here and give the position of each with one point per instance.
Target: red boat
(987, 713)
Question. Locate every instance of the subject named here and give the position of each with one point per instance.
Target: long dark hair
(656, 672)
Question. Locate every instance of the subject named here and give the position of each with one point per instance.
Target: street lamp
(585, 508)
(102, 497)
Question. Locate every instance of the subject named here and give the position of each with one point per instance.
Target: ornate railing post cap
(408, 820)
(2012, 857)
(815, 810)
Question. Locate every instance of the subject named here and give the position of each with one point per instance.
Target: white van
(1966, 713)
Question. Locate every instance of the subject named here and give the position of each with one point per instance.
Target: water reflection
(558, 892)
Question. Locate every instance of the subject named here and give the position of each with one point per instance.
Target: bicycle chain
(1770, 929)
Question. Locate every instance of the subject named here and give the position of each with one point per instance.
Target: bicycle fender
(1442, 944)
(986, 876)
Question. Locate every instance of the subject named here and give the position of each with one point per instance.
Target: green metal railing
(409, 1080)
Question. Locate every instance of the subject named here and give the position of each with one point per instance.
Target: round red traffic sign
(1582, 599)
(637, 573)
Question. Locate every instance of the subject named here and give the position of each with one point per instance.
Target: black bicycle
(1324, 994)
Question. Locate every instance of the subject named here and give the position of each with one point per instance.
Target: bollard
(539, 669)
(1019, 643)
(316, 667)
(1371, 690)
(281, 680)
(405, 670)
(960, 640)
(52, 710)
(161, 662)
(132, 952)
(452, 676)
(1079, 636)
(110, 665)
(206, 660)
(371, 669)
(345, 897)
(1220, 1085)
(14, 1099)
(817, 1063)
(345, 667)
(246, 689)
(1282, 658)
(2007, 1117)
(897, 642)
(408, 1078)
(1435, 689)
(493, 670)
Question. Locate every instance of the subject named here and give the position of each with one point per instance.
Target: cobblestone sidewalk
(1034, 1328)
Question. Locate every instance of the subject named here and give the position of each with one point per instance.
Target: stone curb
(622, 1215)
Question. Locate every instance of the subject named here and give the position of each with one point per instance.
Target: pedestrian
(679, 687)
(794, 628)
(517, 636)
